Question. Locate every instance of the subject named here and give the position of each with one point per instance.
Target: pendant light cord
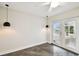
(7, 11)
(47, 20)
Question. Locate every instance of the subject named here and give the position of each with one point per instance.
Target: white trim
(67, 48)
(25, 47)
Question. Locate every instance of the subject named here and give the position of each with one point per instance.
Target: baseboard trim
(65, 49)
(25, 47)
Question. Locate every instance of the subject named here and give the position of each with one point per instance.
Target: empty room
(39, 28)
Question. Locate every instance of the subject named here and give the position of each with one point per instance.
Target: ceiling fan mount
(52, 4)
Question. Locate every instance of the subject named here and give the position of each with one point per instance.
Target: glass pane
(70, 31)
(56, 32)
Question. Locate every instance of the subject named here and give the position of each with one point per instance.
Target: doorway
(56, 32)
(64, 33)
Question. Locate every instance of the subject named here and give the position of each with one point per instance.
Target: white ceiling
(36, 8)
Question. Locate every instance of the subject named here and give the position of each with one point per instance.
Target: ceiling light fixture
(6, 24)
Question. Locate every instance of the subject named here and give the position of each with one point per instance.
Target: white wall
(25, 31)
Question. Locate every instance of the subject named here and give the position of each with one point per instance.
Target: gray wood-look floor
(42, 50)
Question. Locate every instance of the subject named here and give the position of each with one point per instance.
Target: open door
(57, 32)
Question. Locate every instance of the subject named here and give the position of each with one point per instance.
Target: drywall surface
(26, 30)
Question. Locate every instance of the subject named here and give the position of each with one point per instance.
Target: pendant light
(6, 24)
(47, 26)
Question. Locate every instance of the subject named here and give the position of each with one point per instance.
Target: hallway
(42, 50)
